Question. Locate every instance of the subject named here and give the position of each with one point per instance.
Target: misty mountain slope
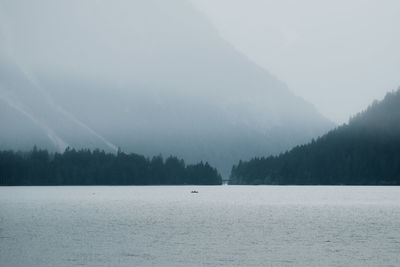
(36, 110)
(146, 76)
(366, 151)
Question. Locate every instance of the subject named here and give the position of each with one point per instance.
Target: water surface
(219, 226)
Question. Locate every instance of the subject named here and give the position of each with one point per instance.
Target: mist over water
(155, 92)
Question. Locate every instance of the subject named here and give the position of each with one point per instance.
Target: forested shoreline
(366, 151)
(86, 167)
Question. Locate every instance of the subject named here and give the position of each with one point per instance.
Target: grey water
(219, 226)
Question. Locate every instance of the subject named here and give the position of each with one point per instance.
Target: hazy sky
(339, 55)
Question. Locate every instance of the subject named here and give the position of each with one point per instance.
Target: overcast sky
(338, 55)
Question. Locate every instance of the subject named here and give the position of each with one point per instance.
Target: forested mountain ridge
(366, 151)
(86, 167)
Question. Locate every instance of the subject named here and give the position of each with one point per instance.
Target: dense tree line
(366, 151)
(86, 167)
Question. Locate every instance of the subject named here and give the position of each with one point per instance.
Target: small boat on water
(194, 192)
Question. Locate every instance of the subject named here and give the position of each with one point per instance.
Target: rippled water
(219, 226)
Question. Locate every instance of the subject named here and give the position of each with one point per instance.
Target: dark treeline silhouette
(86, 167)
(366, 151)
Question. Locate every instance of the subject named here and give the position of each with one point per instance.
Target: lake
(219, 226)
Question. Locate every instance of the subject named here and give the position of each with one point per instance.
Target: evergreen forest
(86, 167)
(366, 151)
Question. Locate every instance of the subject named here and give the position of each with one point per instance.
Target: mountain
(366, 151)
(148, 77)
